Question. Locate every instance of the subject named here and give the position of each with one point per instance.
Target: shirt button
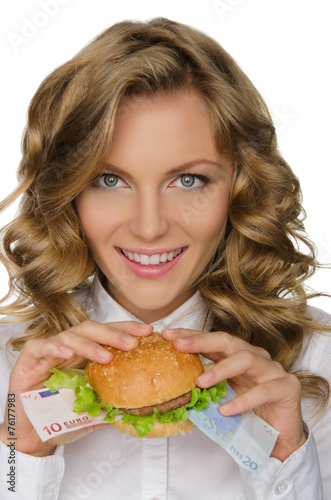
(281, 488)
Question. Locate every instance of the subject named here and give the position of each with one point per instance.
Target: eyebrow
(178, 168)
(193, 164)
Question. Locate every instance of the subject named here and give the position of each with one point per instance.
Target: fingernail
(184, 341)
(103, 353)
(205, 378)
(144, 326)
(128, 339)
(170, 331)
(226, 409)
(66, 351)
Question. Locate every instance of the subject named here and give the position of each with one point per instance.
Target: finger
(85, 339)
(100, 332)
(84, 347)
(135, 328)
(41, 349)
(248, 363)
(215, 342)
(35, 361)
(173, 333)
(284, 391)
(40, 355)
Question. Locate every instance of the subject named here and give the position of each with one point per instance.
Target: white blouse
(106, 464)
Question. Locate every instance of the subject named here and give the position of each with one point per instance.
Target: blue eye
(110, 180)
(190, 181)
(187, 180)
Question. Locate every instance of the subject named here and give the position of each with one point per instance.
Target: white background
(283, 46)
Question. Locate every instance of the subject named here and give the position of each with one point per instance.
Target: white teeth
(144, 260)
(154, 259)
(136, 257)
(164, 257)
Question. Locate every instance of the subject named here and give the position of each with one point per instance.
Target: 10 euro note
(247, 438)
(52, 414)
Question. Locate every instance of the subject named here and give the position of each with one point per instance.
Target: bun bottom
(159, 430)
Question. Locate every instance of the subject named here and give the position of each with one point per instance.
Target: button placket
(281, 488)
(154, 473)
(50, 486)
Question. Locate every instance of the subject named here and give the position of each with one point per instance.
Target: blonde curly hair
(254, 283)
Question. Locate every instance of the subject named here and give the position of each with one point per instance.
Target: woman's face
(155, 217)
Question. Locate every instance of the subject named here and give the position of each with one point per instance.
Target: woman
(153, 194)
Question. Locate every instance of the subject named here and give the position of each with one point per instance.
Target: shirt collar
(192, 314)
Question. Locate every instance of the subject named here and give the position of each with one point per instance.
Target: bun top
(150, 374)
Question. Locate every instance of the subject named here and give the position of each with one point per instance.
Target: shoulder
(316, 352)
(315, 359)
(319, 315)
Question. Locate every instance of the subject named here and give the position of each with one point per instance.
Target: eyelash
(106, 188)
(205, 180)
(201, 178)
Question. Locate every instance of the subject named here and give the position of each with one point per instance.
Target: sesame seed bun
(151, 374)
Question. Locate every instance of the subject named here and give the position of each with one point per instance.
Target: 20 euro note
(247, 438)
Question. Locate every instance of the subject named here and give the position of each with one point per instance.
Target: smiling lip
(151, 264)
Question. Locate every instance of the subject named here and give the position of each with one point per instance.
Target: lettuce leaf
(86, 399)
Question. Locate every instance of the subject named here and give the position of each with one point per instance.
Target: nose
(149, 221)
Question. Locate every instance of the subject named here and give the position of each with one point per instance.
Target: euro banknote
(248, 439)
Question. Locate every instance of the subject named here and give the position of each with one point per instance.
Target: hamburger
(152, 387)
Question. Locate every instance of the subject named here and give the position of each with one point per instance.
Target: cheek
(95, 219)
(206, 212)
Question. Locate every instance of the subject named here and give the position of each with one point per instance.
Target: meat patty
(172, 404)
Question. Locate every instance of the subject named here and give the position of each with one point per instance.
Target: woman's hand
(70, 348)
(262, 384)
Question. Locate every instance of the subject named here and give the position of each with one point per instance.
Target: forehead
(165, 129)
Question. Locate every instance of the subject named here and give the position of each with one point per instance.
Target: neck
(148, 316)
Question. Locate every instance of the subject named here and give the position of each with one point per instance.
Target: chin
(150, 299)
